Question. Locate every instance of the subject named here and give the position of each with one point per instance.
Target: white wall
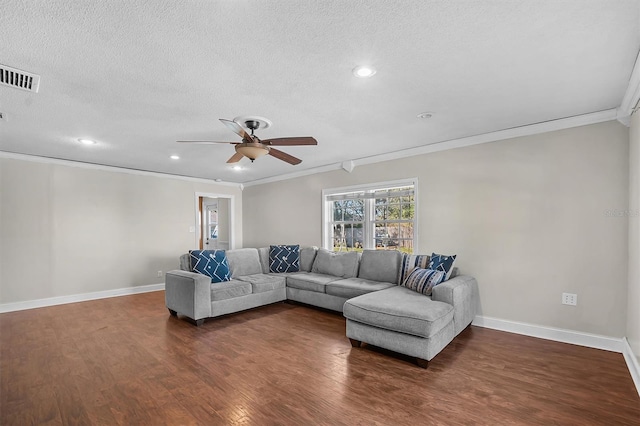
(526, 217)
(633, 301)
(223, 222)
(67, 230)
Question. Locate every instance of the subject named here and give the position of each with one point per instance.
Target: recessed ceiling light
(425, 115)
(364, 71)
(237, 168)
(87, 141)
(174, 157)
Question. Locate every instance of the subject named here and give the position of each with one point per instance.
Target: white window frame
(369, 213)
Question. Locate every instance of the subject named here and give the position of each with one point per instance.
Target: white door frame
(232, 208)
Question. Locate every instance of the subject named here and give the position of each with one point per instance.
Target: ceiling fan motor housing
(252, 125)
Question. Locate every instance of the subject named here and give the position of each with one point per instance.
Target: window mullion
(370, 223)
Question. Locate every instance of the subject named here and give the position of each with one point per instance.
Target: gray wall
(526, 217)
(633, 301)
(68, 230)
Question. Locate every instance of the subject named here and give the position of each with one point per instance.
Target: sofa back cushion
(263, 254)
(338, 264)
(307, 256)
(185, 263)
(380, 265)
(244, 261)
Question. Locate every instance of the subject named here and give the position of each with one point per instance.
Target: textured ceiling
(138, 75)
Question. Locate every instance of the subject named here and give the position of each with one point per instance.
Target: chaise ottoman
(401, 320)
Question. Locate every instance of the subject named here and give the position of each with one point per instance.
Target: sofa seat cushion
(264, 282)
(286, 274)
(229, 290)
(352, 287)
(310, 281)
(400, 309)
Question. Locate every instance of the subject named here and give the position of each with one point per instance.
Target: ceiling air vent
(19, 79)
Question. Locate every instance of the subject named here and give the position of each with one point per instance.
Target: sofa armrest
(188, 293)
(462, 293)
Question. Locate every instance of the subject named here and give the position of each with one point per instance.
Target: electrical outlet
(569, 299)
(159, 274)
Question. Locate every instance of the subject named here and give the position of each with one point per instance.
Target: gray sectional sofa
(363, 286)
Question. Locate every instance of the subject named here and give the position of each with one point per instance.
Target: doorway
(214, 222)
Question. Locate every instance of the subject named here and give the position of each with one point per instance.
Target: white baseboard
(61, 300)
(567, 336)
(632, 363)
(550, 333)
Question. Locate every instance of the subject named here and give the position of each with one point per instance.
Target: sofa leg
(355, 343)
(173, 313)
(199, 322)
(422, 363)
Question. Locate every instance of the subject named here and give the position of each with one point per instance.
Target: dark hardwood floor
(126, 361)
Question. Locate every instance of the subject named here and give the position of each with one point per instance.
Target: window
(379, 216)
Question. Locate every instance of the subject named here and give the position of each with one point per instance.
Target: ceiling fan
(252, 147)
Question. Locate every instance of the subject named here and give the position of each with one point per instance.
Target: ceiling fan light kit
(252, 150)
(252, 147)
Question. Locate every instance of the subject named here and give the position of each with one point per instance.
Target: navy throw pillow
(212, 263)
(441, 262)
(284, 258)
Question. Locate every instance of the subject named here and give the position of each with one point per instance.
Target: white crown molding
(623, 118)
(312, 171)
(515, 132)
(531, 129)
(551, 333)
(632, 95)
(74, 298)
(632, 363)
(81, 165)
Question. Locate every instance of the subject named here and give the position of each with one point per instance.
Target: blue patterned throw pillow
(423, 280)
(284, 258)
(409, 263)
(440, 262)
(212, 263)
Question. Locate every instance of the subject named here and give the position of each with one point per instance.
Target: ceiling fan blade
(290, 141)
(235, 158)
(206, 142)
(284, 156)
(237, 129)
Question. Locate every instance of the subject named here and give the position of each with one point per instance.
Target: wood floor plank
(124, 361)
